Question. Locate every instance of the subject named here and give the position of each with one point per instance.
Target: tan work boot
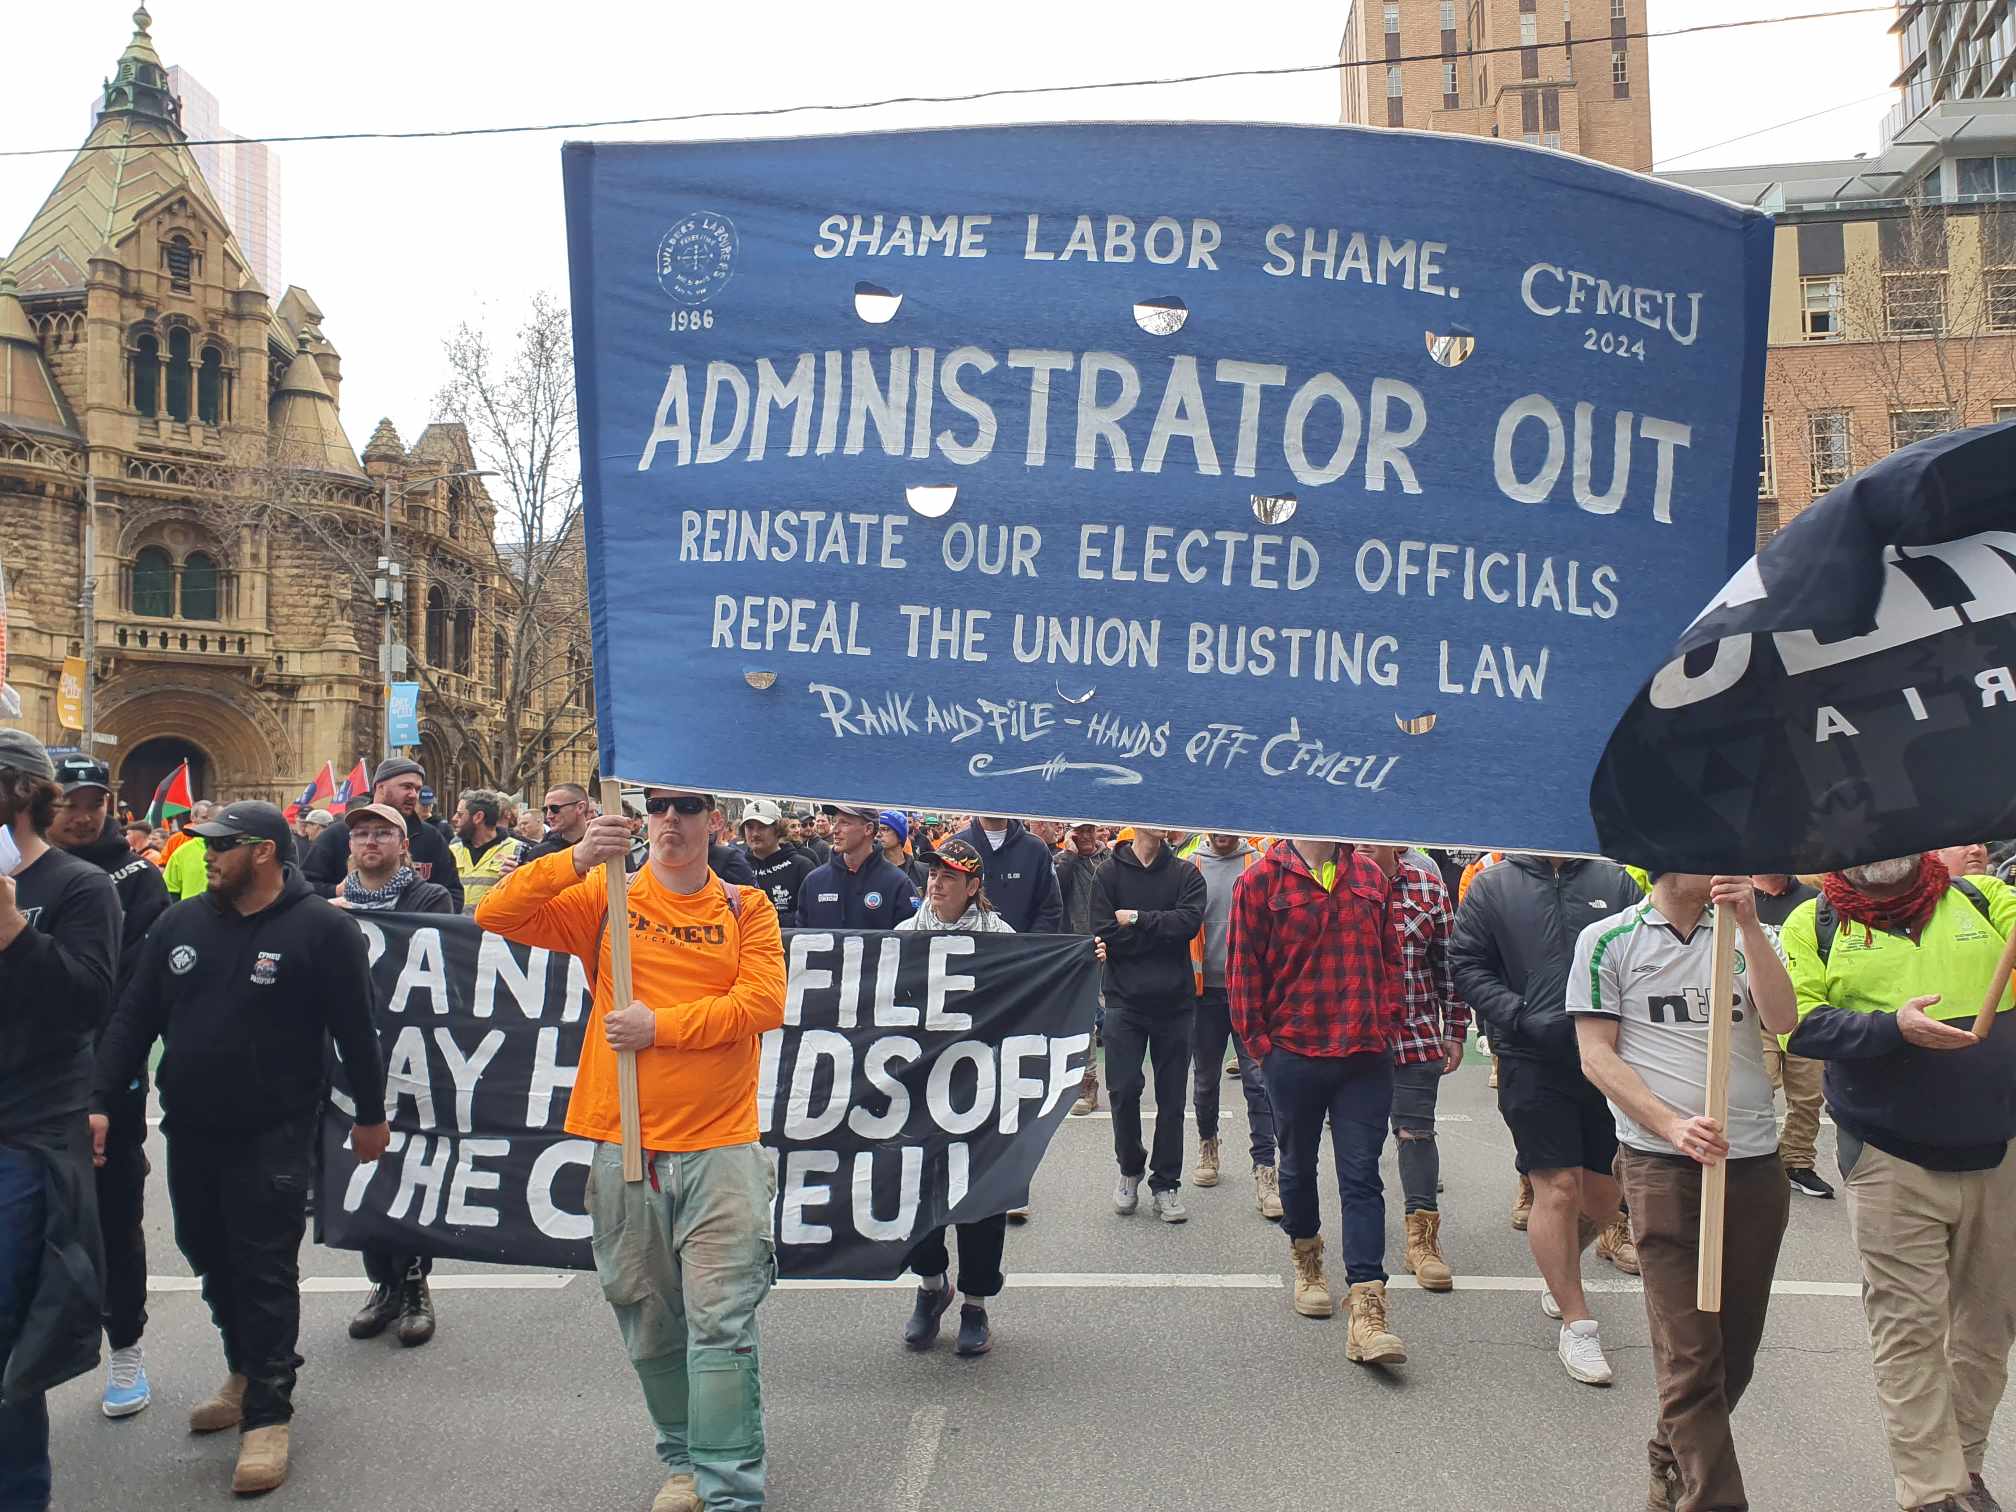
(1522, 1204)
(1493, 1083)
(1424, 1252)
(225, 1409)
(1614, 1244)
(1312, 1292)
(1088, 1091)
(1665, 1493)
(1267, 1193)
(262, 1460)
(1370, 1341)
(679, 1494)
(1207, 1162)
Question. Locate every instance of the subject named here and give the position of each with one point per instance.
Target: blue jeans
(24, 1426)
(684, 1258)
(1355, 1092)
(1209, 1031)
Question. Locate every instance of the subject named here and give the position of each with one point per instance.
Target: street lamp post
(388, 586)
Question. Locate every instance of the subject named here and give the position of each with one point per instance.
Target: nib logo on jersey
(1846, 689)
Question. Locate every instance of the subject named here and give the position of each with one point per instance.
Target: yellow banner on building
(70, 694)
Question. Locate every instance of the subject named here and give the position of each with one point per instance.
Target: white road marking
(920, 1458)
(530, 1281)
(1535, 1284)
(1068, 1281)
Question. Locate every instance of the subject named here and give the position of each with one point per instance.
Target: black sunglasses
(233, 842)
(554, 808)
(687, 806)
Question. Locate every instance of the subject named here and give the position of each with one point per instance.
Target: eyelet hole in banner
(1161, 317)
(931, 500)
(1452, 350)
(875, 304)
(1274, 509)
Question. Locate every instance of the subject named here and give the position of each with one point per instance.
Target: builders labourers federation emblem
(696, 257)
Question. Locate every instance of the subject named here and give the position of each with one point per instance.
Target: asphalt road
(1136, 1365)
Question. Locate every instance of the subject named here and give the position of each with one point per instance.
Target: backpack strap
(1975, 896)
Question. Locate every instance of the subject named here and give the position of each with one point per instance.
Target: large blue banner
(1317, 481)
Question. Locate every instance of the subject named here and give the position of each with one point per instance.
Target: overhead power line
(1006, 92)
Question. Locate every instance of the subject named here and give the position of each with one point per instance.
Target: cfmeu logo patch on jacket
(182, 959)
(266, 969)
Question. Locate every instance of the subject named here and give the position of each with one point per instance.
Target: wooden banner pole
(1984, 1021)
(1715, 1178)
(620, 992)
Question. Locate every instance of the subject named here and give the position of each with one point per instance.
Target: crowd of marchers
(1337, 983)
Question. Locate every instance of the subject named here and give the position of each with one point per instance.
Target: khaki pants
(1940, 1295)
(1703, 1360)
(1800, 1079)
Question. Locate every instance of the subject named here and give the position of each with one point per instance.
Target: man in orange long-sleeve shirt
(686, 1255)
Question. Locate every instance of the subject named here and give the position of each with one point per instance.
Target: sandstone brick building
(235, 529)
(1574, 73)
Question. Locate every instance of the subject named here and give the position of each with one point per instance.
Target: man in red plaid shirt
(1433, 1024)
(1315, 972)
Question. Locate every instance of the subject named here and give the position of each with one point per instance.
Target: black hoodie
(1148, 962)
(245, 1002)
(143, 897)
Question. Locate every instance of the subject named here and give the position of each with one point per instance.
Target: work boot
(1978, 1498)
(1370, 1342)
(1493, 1083)
(1665, 1493)
(1522, 1204)
(1088, 1091)
(1312, 1291)
(1424, 1252)
(379, 1309)
(1267, 1193)
(416, 1309)
(224, 1409)
(1207, 1162)
(262, 1460)
(1614, 1244)
(679, 1494)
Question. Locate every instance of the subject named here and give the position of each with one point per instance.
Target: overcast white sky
(399, 240)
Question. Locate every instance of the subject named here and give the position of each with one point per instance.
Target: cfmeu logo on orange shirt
(680, 934)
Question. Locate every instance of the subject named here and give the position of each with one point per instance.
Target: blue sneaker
(126, 1389)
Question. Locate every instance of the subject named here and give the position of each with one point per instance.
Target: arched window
(199, 586)
(153, 582)
(437, 628)
(178, 374)
(147, 375)
(500, 658)
(210, 387)
(465, 637)
(454, 508)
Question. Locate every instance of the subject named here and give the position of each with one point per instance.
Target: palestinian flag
(173, 798)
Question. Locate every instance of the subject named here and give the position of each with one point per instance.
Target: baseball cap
(762, 811)
(898, 823)
(383, 811)
(960, 856)
(320, 818)
(426, 795)
(249, 818)
(852, 811)
(24, 753)
(74, 772)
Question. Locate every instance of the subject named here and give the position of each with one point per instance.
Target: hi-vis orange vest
(1197, 944)
(1470, 871)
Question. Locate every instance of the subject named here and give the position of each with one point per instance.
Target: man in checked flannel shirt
(1315, 971)
(1433, 1025)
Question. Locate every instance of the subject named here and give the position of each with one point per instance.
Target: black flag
(1850, 695)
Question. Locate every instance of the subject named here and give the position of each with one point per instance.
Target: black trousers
(122, 1195)
(980, 1247)
(387, 1268)
(241, 1210)
(1162, 1035)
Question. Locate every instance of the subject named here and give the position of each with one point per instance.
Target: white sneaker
(1127, 1194)
(1549, 1306)
(1167, 1208)
(1581, 1351)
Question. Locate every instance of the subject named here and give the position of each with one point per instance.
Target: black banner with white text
(917, 1080)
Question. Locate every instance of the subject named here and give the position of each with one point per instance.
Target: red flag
(353, 789)
(321, 790)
